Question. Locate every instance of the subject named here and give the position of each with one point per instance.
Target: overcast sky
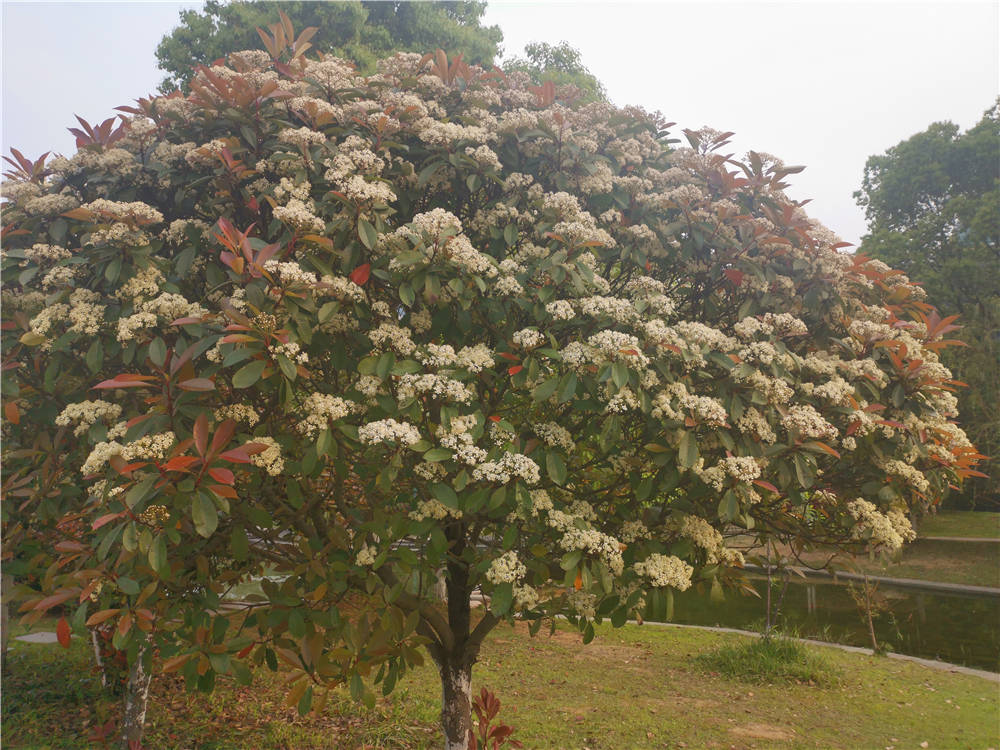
(823, 84)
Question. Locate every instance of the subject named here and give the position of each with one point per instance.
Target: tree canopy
(559, 63)
(365, 332)
(359, 30)
(933, 209)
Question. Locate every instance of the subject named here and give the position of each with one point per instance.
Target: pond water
(956, 628)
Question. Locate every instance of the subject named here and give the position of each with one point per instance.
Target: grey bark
(136, 698)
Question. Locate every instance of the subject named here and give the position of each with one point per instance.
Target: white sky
(821, 84)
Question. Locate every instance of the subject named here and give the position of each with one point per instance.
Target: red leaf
(106, 519)
(509, 356)
(126, 381)
(236, 456)
(222, 435)
(244, 651)
(222, 491)
(201, 433)
(10, 411)
(360, 274)
(62, 632)
(222, 475)
(514, 369)
(197, 384)
(734, 275)
(186, 321)
(98, 617)
(494, 418)
(50, 601)
(766, 485)
(179, 463)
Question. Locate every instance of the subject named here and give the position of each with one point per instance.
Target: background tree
(933, 209)
(360, 31)
(559, 63)
(358, 330)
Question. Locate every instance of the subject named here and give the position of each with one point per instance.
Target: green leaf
(140, 491)
(556, 467)
(95, 356)
(545, 390)
(571, 559)
(238, 543)
(406, 294)
(510, 235)
(619, 374)
(127, 585)
(567, 387)
(326, 312)
(158, 351)
(204, 515)
(445, 494)
(367, 233)
(437, 454)
(687, 450)
(305, 702)
(287, 368)
(249, 374)
(501, 598)
(158, 555)
(427, 172)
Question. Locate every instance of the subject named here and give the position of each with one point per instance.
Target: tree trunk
(136, 697)
(6, 585)
(456, 704)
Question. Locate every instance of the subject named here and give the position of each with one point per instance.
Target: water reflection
(955, 628)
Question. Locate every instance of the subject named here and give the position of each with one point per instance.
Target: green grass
(775, 659)
(637, 687)
(965, 523)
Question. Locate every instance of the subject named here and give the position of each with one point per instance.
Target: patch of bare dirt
(763, 732)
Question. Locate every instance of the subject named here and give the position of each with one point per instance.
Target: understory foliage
(364, 332)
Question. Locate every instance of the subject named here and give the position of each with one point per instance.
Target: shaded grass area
(766, 660)
(965, 523)
(638, 687)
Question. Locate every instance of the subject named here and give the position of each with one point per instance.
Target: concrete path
(42, 636)
(912, 583)
(960, 539)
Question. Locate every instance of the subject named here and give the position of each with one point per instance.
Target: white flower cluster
(302, 137)
(292, 351)
(528, 338)
(910, 474)
(509, 466)
(389, 336)
(366, 556)
(300, 217)
(136, 213)
(145, 283)
(506, 569)
(699, 531)
(322, 409)
(664, 570)
(555, 436)
(435, 510)
(146, 448)
(87, 413)
(887, 532)
(238, 413)
(437, 386)
(270, 458)
(388, 430)
(560, 310)
(809, 423)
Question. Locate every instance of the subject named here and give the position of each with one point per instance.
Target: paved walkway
(995, 540)
(912, 583)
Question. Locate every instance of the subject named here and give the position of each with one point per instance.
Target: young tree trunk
(136, 697)
(6, 585)
(456, 704)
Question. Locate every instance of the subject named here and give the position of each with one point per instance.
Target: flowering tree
(366, 332)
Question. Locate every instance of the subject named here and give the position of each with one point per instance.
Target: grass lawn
(962, 523)
(638, 687)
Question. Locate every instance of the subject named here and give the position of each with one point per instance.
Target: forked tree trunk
(136, 698)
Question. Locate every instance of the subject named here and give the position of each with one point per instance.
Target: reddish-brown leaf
(106, 520)
(10, 411)
(222, 475)
(197, 384)
(360, 274)
(201, 434)
(514, 369)
(98, 617)
(62, 632)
